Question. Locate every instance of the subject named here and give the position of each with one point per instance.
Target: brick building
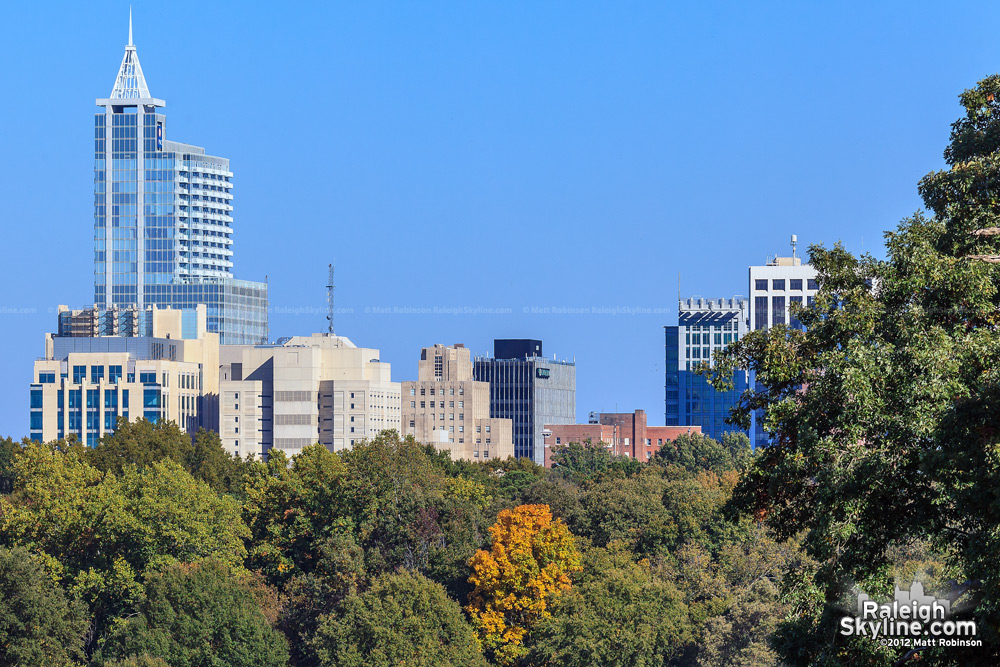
(624, 433)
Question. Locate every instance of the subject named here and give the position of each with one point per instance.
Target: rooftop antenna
(795, 240)
(329, 301)
(130, 26)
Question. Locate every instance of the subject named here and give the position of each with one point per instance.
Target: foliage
(884, 409)
(695, 452)
(198, 614)
(102, 532)
(40, 626)
(403, 619)
(621, 614)
(7, 450)
(531, 557)
(579, 462)
(142, 444)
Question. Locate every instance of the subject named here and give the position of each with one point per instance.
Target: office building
(447, 408)
(528, 389)
(775, 288)
(84, 384)
(623, 433)
(302, 391)
(163, 217)
(704, 328)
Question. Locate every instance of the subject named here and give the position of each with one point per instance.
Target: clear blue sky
(489, 155)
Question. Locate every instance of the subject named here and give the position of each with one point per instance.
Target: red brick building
(624, 433)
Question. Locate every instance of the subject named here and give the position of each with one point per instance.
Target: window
(111, 399)
(46, 378)
(760, 284)
(412, 423)
(812, 284)
(93, 398)
(96, 374)
(778, 285)
(150, 398)
(461, 404)
(461, 416)
(451, 404)
(75, 398)
(36, 398)
(125, 399)
(451, 391)
(487, 428)
(109, 421)
(79, 373)
(777, 310)
(760, 312)
(794, 302)
(147, 378)
(413, 391)
(36, 421)
(422, 404)
(795, 283)
(413, 404)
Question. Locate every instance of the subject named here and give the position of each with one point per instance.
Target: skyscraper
(163, 222)
(528, 389)
(774, 288)
(705, 327)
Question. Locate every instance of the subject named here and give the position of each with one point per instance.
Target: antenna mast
(329, 301)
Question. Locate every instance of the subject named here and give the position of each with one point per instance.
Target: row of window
(778, 284)
(451, 391)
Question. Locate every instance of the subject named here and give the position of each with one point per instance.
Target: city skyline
(565, 267)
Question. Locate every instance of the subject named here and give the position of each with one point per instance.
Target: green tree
(580, 462)
(620, 614)
(696, 452)
(403, 619)
(883, 409)
(102, 532)
(197, 614)
(7, 450)
(140, 443)
(39, 625)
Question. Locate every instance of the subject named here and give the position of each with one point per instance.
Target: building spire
(130, 83)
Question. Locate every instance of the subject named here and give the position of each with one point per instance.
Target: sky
(481, 170)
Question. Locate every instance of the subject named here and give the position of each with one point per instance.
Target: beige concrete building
(84, 383)
(447, 408)
(307, 389)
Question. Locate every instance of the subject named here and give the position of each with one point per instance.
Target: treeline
(158, 549)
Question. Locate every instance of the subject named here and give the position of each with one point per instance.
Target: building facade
(775, 289)
(304, 390)
(163, 217)
(84, 384)
(447, 408)
(528, 389)
(705, 327)
(623, 433)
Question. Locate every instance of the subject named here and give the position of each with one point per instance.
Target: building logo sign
(159, 135)
(912, 619)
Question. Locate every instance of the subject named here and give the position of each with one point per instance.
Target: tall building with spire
(163, 216)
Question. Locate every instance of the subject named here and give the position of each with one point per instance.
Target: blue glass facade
(163, 220)
(704, 328)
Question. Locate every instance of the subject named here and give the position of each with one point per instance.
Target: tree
(883, 409)
(531, 557)
(102, 532)
(403, 619)
(7, 450)
(141, 443)
(588, 460)
(620, 614)
(40, 626)
(198, 614)
(696, 452)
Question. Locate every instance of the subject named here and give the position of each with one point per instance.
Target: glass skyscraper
(163, 222)
(705, 327)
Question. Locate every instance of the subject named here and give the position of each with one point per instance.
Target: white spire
(130, 84)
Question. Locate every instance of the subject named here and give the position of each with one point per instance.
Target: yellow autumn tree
(531, 557)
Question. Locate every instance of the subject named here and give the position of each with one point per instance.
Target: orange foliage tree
(531, 558)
